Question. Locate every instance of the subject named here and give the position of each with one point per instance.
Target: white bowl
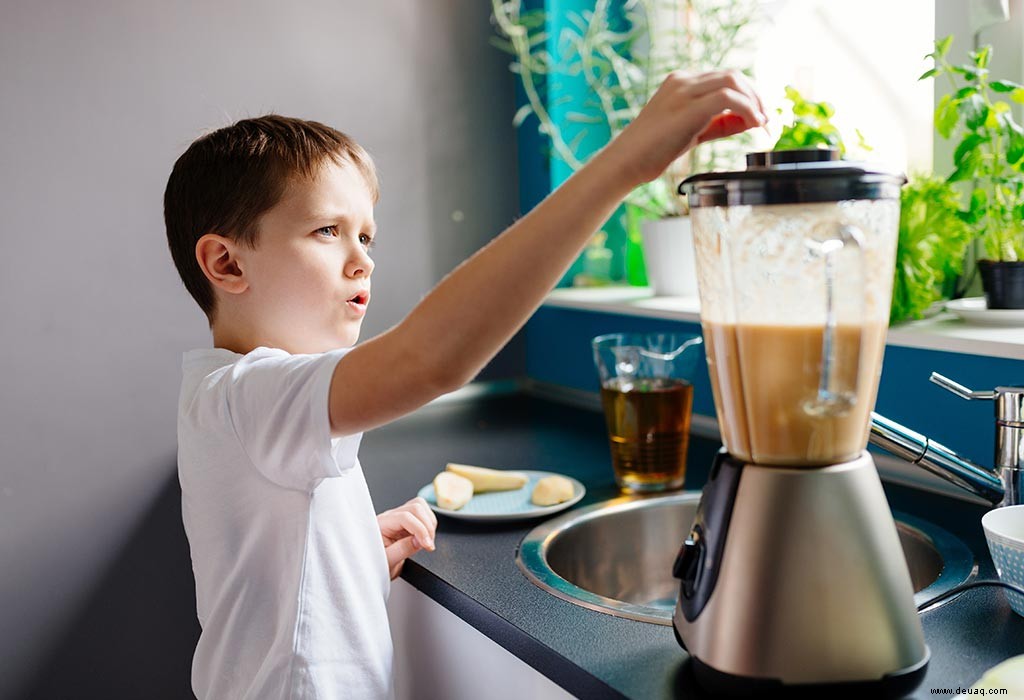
(1004, 531)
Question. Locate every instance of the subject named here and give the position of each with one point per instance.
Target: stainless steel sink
(616, 557)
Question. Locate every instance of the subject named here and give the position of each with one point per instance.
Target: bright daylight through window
(864, 59)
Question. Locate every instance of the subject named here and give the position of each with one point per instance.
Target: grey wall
(97, 99)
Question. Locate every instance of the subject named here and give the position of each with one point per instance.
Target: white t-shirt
(291, 575)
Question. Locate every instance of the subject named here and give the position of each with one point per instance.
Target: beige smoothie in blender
(767, 421)
(770, 293)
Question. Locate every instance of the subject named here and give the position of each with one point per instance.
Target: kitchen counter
(591, 654)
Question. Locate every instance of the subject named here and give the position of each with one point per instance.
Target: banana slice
(452, 491)
(551, 490)
(485, 480)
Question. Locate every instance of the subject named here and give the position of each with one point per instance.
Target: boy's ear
(218, 258)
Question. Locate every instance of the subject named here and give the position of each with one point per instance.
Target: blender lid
(791, 177)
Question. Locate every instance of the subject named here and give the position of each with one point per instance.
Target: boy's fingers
(703, 83)
(397, 553)
(422, 511)
(416, 527)
(721, 126)
(421, 508)
(726, 80)
(714, 104)
(400, 517)
(401, 550)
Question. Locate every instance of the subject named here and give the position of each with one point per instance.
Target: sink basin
(616, 557)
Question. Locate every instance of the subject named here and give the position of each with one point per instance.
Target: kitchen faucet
(1003, 485)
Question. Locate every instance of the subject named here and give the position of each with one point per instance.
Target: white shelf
(944, 332)
(632, 301)
(951, 334)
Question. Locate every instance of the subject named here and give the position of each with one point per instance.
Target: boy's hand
(686, 110)
(445, 342)
(406, 530)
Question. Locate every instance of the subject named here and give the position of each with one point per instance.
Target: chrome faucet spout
(936, 458)
(1003, 485)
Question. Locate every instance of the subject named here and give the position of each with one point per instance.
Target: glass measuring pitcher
(795, 260)
(647, 396)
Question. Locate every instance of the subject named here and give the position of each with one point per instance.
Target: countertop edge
(565, 673)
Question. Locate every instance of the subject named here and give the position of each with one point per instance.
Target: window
(864, 58)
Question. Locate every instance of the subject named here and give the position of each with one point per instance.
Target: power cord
(967, 586)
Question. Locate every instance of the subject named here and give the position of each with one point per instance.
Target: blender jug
(795, 301)
(792, 573)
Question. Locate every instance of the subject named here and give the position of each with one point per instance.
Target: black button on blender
(689, 562)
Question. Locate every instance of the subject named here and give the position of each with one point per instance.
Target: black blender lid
(791, 177)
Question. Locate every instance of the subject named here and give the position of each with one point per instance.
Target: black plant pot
(1003, 283)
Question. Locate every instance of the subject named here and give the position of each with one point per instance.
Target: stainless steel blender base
(809, 585)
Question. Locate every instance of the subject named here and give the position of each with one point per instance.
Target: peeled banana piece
(452, 491)
(551, 490)
(485, 480)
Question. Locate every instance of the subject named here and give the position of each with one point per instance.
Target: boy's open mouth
(361, 299)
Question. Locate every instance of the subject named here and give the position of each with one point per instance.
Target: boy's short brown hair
(228, 178)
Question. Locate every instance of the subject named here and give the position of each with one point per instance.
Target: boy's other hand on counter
(406, 530)
(688, 109)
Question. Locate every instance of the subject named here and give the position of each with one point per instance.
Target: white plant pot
(669, 257)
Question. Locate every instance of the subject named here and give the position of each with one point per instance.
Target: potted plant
(812, 127)
(623, 51)
(990, 155)
(933, 239)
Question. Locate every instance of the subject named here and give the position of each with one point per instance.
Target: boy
(270, 223)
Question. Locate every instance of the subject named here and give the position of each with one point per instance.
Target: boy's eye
(365, 239)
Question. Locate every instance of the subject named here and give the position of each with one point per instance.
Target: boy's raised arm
(467, 318)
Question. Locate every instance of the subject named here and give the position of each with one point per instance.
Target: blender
(792, 576)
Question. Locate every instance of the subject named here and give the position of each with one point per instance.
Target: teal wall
(540, 170)
(533, 161)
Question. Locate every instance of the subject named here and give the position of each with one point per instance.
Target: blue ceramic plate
(505, 505)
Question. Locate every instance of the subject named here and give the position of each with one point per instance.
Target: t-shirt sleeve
(278, 406)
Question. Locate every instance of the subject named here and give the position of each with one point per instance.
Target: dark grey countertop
(590, 654)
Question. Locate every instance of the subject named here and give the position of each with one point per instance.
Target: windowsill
(944, 332)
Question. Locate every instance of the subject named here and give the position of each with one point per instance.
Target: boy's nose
(360, 265)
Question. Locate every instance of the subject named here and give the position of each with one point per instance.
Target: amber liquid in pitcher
(649, 431)
(764, 376)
